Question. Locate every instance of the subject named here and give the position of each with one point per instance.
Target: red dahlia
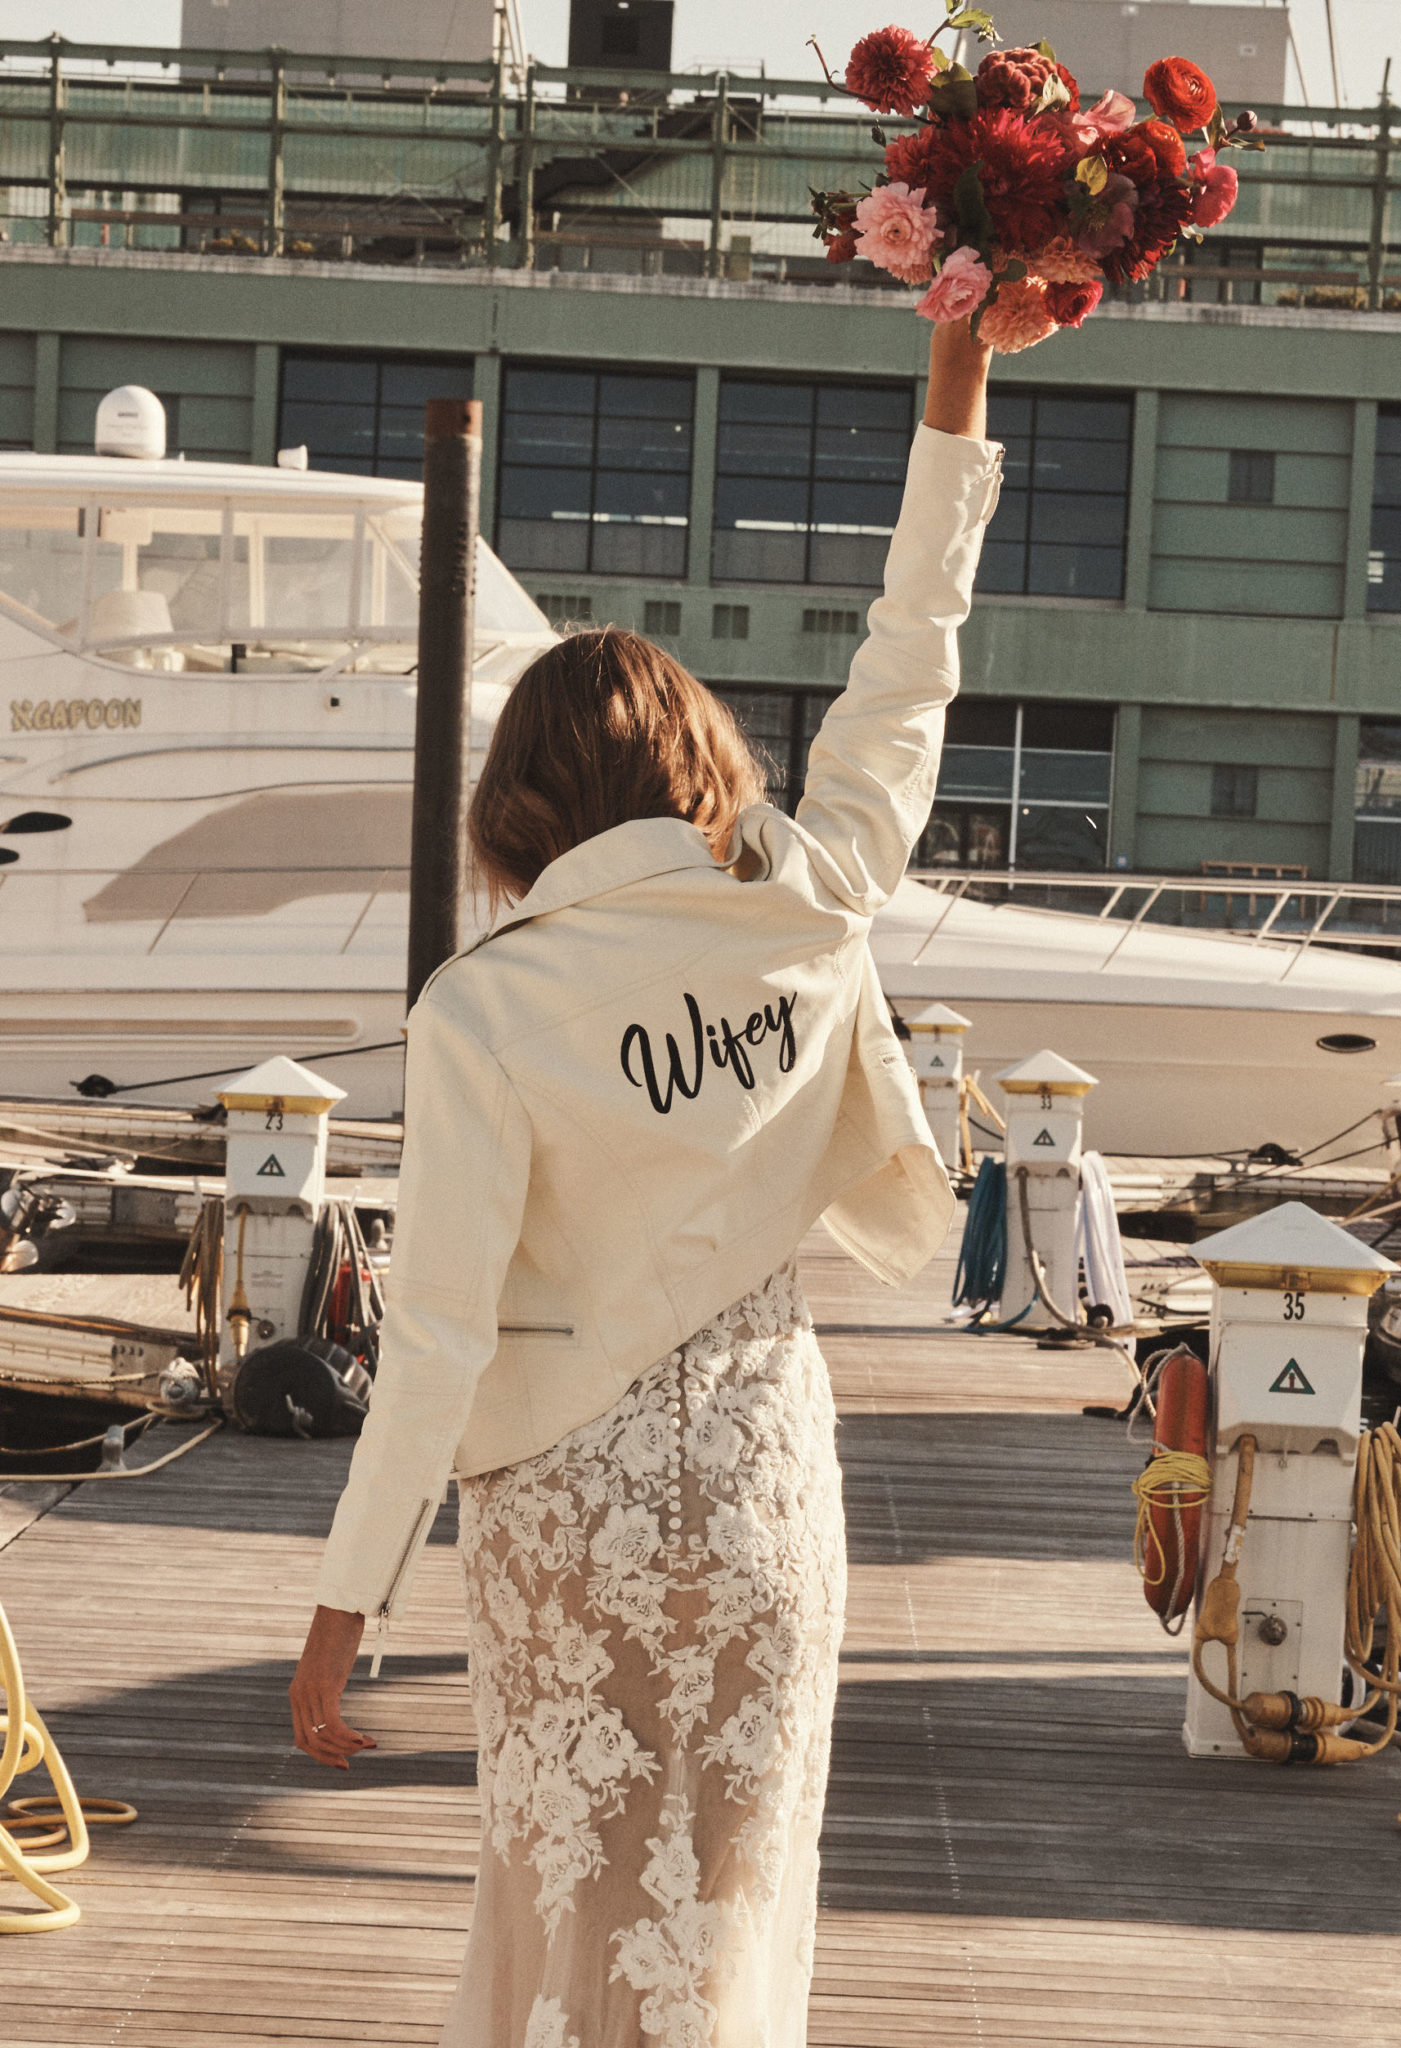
(890, 70)
(1132, 155)
(1158, 219)
(1070, 305)
(1022, 166)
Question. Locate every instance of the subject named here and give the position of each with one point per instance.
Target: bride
(624, 1106)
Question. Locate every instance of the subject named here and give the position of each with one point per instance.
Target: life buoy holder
(1174, 1487)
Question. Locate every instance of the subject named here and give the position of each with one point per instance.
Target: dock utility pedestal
(278, 1115)
(1288, 1326)
(936, 1055)
(1045, 1114)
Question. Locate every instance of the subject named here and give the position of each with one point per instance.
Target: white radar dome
(131, 421)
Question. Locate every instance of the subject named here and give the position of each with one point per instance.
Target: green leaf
(1044, 49)
(1012, 270)
(953, 94)
(976, 18)
(941, 58)
(970, 210)
(1216, 128)
(878, 134)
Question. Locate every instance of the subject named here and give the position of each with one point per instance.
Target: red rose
(1132, 155)
(841, 248)
(889, 71)
(1070, 305)
(1166, 145)
(1180, 92)
(1021, 170)
(1158, 220)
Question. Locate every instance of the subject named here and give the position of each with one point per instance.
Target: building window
(595, 472)
(729, 622)
(661, 616)
(364, 413)
(844, 624)
(1384, 558)
(1251, 479)
(1377, 826)
(808, 480)
(1234, 790)
(1022, 785)
(1060, 526)
(565, 608)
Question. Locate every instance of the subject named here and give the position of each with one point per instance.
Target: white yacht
(206, 738)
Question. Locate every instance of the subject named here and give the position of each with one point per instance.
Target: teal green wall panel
(215, 368)
(1267, 740)
(16, 390)
(1260, 589)
(1318, 426)
(1181, 845)
(1262, 535)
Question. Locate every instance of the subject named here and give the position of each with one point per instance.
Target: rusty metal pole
(452, 468)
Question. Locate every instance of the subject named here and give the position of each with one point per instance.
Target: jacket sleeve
(461, 1199)
(875, 760)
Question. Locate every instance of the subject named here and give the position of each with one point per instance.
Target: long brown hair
(603, 728)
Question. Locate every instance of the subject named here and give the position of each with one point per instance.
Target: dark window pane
(856, 559)
(1069, 516)
(416, 383)
(1078, 778)
(634, 550)
(1377, 852)
(1068, 839)
(1386, 487)
(1079, 728)
(849, 451)
(1251, 476)
(1075, 571)
(550, 391)
(1003, 567)
(767, 450)
(976, 772)
(1083, 419)
(400, 434)
(1389, 430)
(527, 493)
(1082, 465)
(551, 438)
(1009, 521)
(346, 378)
(666, 398)
(1235, 790)
(1016, 464)
(330, 429)
(647, 444)
(631, 494)
(981, 722)
(865, 407)
(760, 501)
(1380, 739)
(1009, 412)
(866, 506)
(966, 836)
(741, 400)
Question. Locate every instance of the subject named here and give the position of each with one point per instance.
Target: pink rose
(1111, 217)
(896, 230)
(1084, 131)
(1214, 189)
(959, 289)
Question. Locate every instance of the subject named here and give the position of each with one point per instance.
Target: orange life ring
(1174, 1516)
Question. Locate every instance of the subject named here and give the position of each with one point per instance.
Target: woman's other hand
(315, 1692)
(957, 398)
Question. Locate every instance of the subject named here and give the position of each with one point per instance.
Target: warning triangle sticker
(936, 1061)
(1044, 1139)
(271, 1169)
(1292, 1380)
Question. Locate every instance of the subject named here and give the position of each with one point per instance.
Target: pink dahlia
(890, 71)
(959, 289)
(1065, 262)
(1158, 220)
(1018, 317)
(1214, 189)
(1021, 165)
(896, 230)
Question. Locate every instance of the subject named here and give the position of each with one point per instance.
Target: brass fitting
(1287, 1710)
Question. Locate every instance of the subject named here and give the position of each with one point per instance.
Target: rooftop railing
(275, 153)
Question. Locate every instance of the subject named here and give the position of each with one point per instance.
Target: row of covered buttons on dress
(672, 1511)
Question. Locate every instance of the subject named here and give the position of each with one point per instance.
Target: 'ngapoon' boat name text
(74, 714)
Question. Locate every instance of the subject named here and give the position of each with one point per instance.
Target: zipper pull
(381, 1643)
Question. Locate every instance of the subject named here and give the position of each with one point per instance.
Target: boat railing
(1288, 911)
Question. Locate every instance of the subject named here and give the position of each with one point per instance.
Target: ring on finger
(317, 1726)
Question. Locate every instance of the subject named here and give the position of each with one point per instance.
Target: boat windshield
(228, 583)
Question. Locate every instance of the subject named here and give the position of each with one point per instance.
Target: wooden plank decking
(1017, 1852)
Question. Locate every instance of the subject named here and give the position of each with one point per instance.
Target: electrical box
(935, 1052)
(275, 1184)
(1045, 1118)
(1288, 1328)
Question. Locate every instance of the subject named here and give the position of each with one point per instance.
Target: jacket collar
(634, 852)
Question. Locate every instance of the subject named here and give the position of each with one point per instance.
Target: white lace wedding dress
(655, 1607)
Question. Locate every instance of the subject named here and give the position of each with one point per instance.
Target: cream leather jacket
(627, 1103)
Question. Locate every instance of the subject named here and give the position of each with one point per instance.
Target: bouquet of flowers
(1012, 202)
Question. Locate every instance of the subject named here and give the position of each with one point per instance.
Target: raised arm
(875, 760)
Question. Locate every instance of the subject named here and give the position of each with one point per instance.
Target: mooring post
(452, 471)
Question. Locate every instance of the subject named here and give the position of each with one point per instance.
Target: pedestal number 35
(1294, 1308)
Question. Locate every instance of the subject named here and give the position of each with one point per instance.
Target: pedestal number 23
(1294, 1308)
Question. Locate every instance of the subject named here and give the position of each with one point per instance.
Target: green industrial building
(1186, 645)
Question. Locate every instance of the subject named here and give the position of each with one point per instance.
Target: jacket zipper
(538, 1329)
(427, 1509)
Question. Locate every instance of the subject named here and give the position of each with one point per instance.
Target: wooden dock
(1018, 1854)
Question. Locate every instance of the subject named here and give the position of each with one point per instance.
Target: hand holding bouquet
(1012, 204)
